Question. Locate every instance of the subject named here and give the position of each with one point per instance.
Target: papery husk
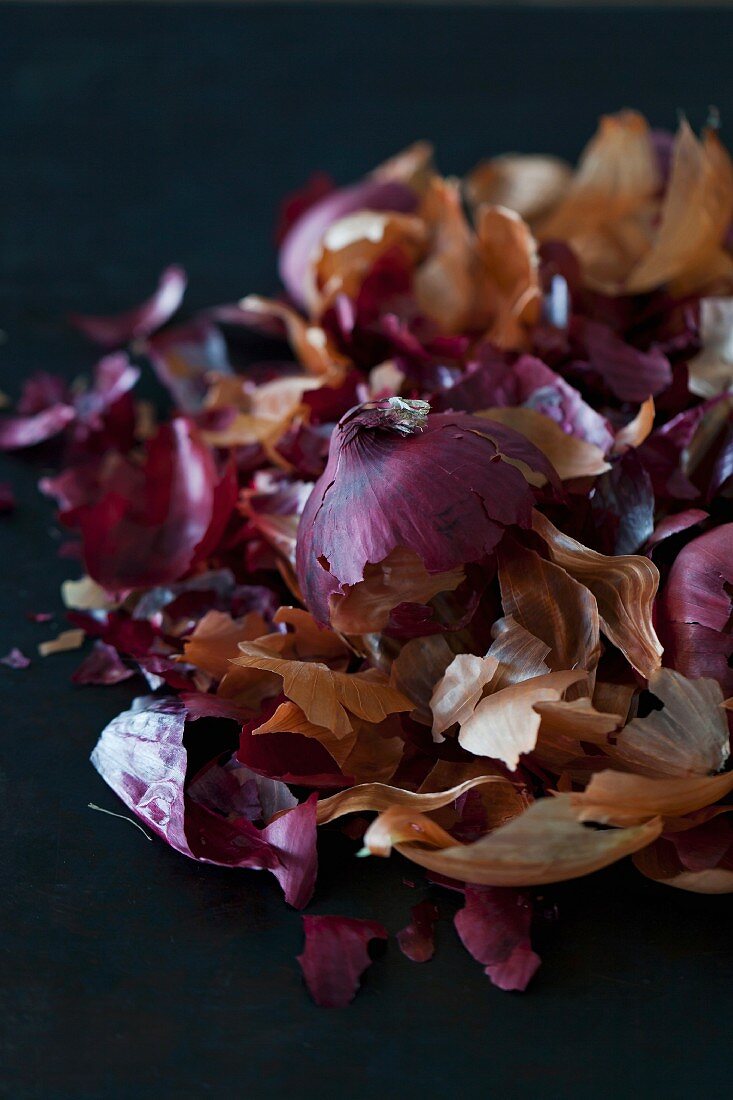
(630, 374)
(150, 517)
(546, 843)
(412, 167)
(657, 862)
(141, 756)
(710, 372)
(377, 751)
(578, 719)
(62, 643)
(636, 431)
(491, 805)
(289, 718)
(213, 645)
(365, 607)
(611, 251)
(418, 667)
(606, 216)
(215, 640)
(565, 726)
(509, 254)
(611, 216)
(624, 586)
(278, 529)
(382, 797)
(620, 798)
(572, 457)
(327, 697)
(447, 284)
(519, 653)
(352, 245)
(459, 690)
(146, 421)
(86, 595)
(314, 350)
(244, 429)
(102, 666)
(385, 380)
(233, 391)
(554, 607)
(614, 698)
(248, 687)
(494, 926)
(504, 725)
(687, 252)
(18, 432)
(303, 238)
(283, 396)
(617, 172)
(263, 413)
(688, 737)
(307, 640)
(400, 823)
(449, 773)
(370, 753)
(717, 415)
(674, 524)
(185, 357)
(530, 185)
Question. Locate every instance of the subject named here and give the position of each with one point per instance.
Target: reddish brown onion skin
(446, 492)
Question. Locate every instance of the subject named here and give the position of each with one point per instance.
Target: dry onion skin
(451, 569)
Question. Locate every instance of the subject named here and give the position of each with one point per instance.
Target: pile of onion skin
(437, 544)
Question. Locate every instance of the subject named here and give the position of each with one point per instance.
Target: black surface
(132, 137)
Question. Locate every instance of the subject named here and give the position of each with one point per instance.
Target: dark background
(136, 136)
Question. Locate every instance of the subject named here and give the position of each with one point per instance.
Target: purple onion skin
(444, 492)
(303, 237)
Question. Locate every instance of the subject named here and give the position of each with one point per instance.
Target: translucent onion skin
(447, 490)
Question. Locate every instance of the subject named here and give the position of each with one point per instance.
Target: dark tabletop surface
(136, 136)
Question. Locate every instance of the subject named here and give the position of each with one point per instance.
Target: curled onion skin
(304, 237)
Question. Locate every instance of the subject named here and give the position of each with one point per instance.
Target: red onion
(445, 485)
